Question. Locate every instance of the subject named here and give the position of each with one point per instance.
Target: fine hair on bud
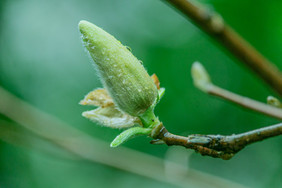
(122, 74)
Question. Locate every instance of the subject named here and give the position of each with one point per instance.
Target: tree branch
(217, 146)
(214, 25)
(203, 82)
(245, 102)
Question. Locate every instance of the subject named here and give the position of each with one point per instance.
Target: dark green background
(42, 61)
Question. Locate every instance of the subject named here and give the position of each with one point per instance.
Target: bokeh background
(43, 63)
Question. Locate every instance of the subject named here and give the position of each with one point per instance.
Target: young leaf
(128, 134)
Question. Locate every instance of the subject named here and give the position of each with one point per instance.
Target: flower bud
(122, 74)
(200, 77)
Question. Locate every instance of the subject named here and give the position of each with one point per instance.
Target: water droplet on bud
(127, 47)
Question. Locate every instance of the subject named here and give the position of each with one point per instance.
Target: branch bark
(214, 25)
(245, 102)
(217, 146)
(203, 82)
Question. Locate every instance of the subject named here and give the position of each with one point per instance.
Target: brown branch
(245, 102)
(214, 25)
(203, 82)
(217, 146)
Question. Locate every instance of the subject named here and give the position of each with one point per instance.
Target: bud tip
(200, 76)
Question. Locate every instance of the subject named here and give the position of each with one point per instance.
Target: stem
(149, 119)
(245, 102)
(214, 25)
(220, 146)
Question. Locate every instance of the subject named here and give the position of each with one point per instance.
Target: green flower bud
(122, 74)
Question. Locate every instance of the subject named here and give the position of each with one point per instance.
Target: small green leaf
(128, 134)
(161, 93)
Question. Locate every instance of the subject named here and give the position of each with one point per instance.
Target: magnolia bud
(122, 74)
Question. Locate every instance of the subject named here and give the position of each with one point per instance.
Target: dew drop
(128, 48)
(141, 62)
(258, 133)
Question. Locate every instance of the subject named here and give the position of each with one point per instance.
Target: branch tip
(200, 77)
(274, 102)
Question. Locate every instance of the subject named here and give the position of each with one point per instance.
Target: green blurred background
(42, 61)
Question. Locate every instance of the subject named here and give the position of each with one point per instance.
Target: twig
(218, 146)
(245, 102)
(98, 151)
(21, 137)
(202, 81)
(214, 25)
